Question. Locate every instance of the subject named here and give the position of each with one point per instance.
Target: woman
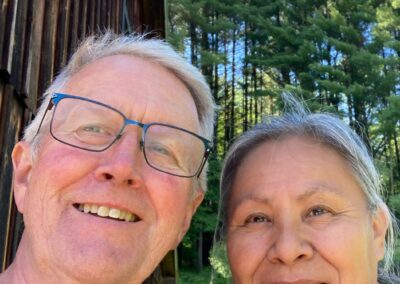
(301, 204)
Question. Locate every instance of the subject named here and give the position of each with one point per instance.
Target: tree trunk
(200, 252)
(193, 43)
(215, 84)
(232, 110)
(226, 100)
(246, 80)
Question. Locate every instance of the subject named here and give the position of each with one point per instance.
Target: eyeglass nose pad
(141, 145)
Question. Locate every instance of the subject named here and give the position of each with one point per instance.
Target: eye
(257, 218)
(159, 149)
(318, 211)
(161, 155)
(93, 129)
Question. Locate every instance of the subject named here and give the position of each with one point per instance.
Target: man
(110, 172)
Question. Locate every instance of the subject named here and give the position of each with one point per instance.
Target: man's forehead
(132, 85)
(117, 63)
(123, 72)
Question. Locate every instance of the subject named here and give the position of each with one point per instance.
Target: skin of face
(298, 216)
(63, 245)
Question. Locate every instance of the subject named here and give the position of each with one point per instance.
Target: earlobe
(22, 165)
(380, 225)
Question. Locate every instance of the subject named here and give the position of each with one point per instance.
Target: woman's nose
(290, 246)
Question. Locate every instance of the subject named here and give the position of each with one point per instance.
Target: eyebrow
(250, 197)
(314, 189)
(318, 188)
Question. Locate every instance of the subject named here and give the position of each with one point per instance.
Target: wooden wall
(37, 38)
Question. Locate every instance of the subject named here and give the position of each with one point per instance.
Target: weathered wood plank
(153, 18)
(73, 35)
(17, 62)
(6, 12)
(108, 13)
(28, 31)
(35, 47)
(47, 70)
(97, 10)
(92, 16)
(14, 132)
(103, 14)
(63, 33)
(136, 12)
(83, 23)
(116, 19)
(111, 5)
(9, 129)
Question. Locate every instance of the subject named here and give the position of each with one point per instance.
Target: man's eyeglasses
(94, 126)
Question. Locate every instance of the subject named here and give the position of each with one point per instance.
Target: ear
(194, 203)
(380, 226)
(22, 163)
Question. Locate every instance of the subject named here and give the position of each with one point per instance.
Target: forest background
(340, 56)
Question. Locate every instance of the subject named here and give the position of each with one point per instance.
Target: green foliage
(394, 204)
(195, 277)
(206, 216)
(192, 276)
(396, 257)
(219, 261)
(209, 58)
(205, 219)
(390, 116)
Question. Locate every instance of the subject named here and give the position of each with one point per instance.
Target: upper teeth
(104, 211)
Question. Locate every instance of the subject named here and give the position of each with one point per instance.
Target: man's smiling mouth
(106, 212)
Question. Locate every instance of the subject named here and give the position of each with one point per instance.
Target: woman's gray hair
(326, 129)
(154, 50)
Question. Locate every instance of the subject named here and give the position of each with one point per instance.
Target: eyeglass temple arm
(206, 154)
(49, 107)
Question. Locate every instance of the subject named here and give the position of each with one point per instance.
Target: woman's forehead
(297, 165)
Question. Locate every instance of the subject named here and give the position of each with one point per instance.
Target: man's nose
(121, 164)
(289, 245)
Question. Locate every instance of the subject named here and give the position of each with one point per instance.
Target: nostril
(108, 176)
(129, 182)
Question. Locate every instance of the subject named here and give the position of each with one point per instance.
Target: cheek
(347, 248)
(242, 246)
(58, 167)
(53, 171)
(169, 195)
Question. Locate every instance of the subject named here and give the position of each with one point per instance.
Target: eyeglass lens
(95, 127)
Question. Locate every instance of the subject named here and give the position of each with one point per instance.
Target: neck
(26, 269)
(23, 270)
(9, 276)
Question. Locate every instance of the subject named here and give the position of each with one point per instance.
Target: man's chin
(103, 265)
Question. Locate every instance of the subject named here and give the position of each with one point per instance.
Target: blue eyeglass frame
(57, 97)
